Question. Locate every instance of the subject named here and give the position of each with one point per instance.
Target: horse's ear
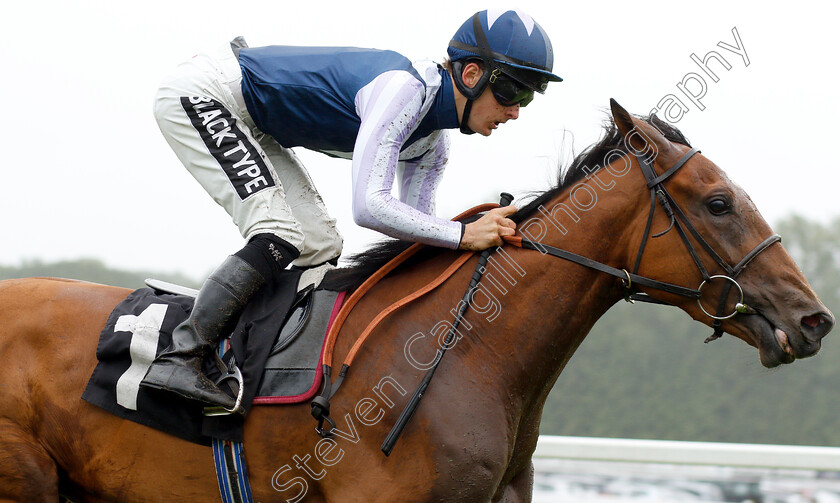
(622, 118)
(640, 137)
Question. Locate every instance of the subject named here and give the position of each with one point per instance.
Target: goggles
(508, 92)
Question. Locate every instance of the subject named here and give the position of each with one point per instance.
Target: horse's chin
(775, 345)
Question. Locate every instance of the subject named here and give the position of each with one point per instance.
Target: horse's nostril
(816, 326)
(812, 321)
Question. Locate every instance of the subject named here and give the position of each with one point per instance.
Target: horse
(472, 437)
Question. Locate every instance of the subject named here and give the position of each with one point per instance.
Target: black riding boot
(216, 309)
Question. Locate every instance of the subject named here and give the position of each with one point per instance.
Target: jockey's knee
(268, 254)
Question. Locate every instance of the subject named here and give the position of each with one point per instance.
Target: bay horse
(472, 437)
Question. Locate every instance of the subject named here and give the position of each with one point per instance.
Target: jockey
(233, 116)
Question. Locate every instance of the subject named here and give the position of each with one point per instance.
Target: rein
(629, 279)
(321, 403)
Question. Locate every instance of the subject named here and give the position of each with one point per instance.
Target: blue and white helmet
(510, 41)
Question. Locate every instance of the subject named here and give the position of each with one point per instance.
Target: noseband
(658, 193)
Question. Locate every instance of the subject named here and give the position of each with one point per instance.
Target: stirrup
(231, 372)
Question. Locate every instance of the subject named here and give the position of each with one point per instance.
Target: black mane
(363, 264)
(594, 157)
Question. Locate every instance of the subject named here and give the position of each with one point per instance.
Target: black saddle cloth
(141, 326)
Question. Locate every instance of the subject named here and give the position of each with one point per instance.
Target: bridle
(681, 222)
(684, 227)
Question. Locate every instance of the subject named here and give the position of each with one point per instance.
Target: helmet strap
(465, 116)
(471, 93)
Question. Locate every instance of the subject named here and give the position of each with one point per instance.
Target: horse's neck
(547, 305)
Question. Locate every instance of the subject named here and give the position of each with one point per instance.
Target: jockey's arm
(384, 128)
(418, 182)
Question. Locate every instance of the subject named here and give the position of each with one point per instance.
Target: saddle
(277, 344)
(291, 373)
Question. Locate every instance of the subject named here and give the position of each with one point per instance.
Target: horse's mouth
(780, 350)
(775, 345)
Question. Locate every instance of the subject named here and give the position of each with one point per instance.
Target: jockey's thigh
(211, 133)
(322, 241)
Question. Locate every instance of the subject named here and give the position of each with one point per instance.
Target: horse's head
(783, 317)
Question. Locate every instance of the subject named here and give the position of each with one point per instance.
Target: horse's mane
(364, 264)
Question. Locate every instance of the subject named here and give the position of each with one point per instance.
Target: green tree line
(92, 270)
(644, 372)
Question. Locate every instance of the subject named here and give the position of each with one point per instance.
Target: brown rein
(332, 336)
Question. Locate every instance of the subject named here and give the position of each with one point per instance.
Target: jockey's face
(486, 113)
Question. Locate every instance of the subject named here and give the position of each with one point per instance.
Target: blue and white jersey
(386, 113)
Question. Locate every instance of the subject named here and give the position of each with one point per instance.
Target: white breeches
(262, 185)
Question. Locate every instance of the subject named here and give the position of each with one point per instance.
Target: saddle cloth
(279, 361)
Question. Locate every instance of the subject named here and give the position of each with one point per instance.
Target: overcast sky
(86, 172)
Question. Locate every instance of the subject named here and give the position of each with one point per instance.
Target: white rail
(691, 453)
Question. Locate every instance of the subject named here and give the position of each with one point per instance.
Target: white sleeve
(419, 178)
(389, 108)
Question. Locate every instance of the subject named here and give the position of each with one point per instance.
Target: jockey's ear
(640, 138)
(471, 74)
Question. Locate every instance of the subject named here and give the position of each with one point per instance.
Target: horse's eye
(718, 206)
